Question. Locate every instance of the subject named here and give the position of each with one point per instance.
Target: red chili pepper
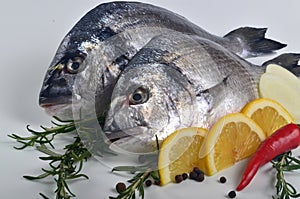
(281, 141)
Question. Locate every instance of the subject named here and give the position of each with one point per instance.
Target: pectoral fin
(213, 96)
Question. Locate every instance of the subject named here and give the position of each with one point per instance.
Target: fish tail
(290, 61)
(252, 41)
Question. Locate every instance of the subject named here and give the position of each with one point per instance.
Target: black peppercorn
(232, 194)
(148, 183)
(222, 179)
(197, 170)
(193, 175)
(184, 176)
(200, 177)
(120, 187)
(157, 182)
(178, 178)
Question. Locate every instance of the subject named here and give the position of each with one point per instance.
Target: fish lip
(47, 105)
(63, 109)
(113, 136)
(49, 102)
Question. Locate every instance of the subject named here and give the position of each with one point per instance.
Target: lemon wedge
(268, 114)
(179, 153)
(282, 86)
(231, 139)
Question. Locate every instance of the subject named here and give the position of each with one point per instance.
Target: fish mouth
(136, 141)
(48, 102)
(113, 136)
(62, 111)
(45, 106)
(61, 107)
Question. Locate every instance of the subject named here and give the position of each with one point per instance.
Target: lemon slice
(268, 114)
(179, 153)
(282, 86)
(232, 138)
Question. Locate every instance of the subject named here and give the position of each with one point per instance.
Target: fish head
(149, 102)
(75, 73)
(56, 95)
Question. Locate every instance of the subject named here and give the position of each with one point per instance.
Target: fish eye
(139, 96)
(73, 65)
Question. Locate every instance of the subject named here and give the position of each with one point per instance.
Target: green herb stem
(283, 163)
(137, 182)
(62, 167)
(46, 136)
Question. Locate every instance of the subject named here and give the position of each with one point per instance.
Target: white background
(30, 32)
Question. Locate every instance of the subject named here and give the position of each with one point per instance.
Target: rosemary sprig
(137, 182)
(46, 136)
(284, 189)
(87, 129)
(68, 165)
(63, 167)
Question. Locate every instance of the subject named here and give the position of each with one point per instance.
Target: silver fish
(95, 51)
(177, 81)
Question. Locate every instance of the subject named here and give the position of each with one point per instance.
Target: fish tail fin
(290, 61)
(252, 41)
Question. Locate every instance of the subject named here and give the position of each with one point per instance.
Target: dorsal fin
(253, 41)
(290, 61)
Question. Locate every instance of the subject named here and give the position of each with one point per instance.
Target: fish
(177, 81)
(99, 47)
